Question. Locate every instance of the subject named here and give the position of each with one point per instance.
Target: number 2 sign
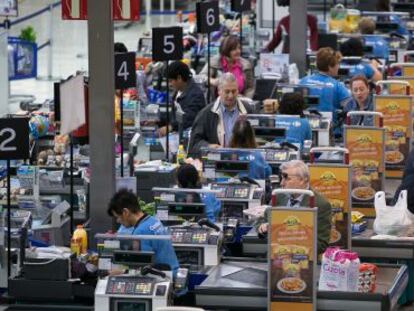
(167, 43)
(14, 139)
(207, 16)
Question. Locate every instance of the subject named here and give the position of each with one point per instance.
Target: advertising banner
(398, 126)
(366, 156)
(334, 183)
(292, 259)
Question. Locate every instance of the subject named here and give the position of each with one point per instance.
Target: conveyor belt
(229, 287)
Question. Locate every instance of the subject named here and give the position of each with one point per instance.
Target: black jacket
(208, 127)
(192, 100)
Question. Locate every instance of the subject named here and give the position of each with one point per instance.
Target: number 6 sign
(14, 139)
(167, 43)
(207, 16)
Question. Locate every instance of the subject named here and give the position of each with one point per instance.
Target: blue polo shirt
(363, 68)
(331, 92)
(297, 129)
(379, 45)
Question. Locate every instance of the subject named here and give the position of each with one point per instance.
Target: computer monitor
(328, 40)
(269, 133)
(367, 5)
(265, 89)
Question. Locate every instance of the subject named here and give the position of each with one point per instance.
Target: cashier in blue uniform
(354, 47)
(243, 137)
(297, 126)
(379, 45)
(125, 208)
(332, 93)
(188, 178)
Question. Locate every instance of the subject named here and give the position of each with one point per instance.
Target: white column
(148, 14)
(4, 74)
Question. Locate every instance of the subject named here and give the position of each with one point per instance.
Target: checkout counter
(196, 243)
(243, 286)
(147, 289)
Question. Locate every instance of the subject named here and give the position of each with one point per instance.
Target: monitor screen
(269, 133)
(233, 209)
(265, 89)
(189, 257)
(8, 8)
(130, 305)
(186, 209)
(133, 258)
(328, 40)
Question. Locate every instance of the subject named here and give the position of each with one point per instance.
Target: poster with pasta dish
(398, 129)
(366, 156)
(334, 183)
(292, 259)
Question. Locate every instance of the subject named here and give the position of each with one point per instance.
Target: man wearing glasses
(295, 175)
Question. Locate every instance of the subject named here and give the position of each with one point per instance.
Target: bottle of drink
(181, 154)
(80, 235)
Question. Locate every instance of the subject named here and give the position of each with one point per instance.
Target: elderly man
(295, 175)
(213, 125)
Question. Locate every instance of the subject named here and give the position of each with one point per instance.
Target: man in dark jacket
(188, 96)
(214, 124)
(295, 175)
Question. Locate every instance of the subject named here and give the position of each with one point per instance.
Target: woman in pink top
(230, 60)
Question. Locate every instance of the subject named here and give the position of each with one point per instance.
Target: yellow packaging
(81, 235)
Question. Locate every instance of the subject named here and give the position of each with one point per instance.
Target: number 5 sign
(14, 139)
(125, 75)
(207, 16)
(167, 43)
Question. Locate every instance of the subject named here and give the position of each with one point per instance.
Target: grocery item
(339, 270)
(80, 236)
(367, 277)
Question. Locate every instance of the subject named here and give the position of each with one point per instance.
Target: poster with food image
(407, 71)
(409, 79)
(334, 183)
(292, 259)
(366, 156)
(398, 128)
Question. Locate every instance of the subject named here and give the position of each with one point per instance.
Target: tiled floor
(70, 45)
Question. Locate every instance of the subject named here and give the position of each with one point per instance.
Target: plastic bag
(339, 271)
(392, 220)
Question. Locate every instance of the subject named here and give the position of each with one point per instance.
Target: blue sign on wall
(22, 56)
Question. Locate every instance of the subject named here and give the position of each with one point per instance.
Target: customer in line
(295, 175)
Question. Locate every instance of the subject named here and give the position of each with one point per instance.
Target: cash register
(144, 291)
(197, 242)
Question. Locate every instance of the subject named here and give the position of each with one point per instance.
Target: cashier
(297, 127)
(124, 207)
(361, 101)
(188, 95)
(354, 47)
(332, 93)
(295, 175)
(213, 125)
(243, 137)
(379, 44)
(188, 178)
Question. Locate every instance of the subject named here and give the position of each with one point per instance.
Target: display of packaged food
(367, 278)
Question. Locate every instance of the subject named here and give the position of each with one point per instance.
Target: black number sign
(125, 75)
(14, 139)
(207, 16)
(167, 43)
(241, 5)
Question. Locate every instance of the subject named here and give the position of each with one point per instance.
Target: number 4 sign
(167, 43)
(125, 75)
(207, 16)
(14, 139)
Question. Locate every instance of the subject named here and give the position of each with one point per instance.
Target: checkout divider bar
(131, 237)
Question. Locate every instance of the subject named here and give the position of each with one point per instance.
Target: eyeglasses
(286, 176)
